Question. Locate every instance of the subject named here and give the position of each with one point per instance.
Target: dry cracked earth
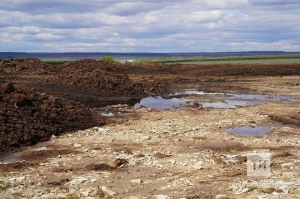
(144, 152)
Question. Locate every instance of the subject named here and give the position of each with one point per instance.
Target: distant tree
(108, 59)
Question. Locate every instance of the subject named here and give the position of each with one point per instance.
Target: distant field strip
(200, 59)
(259, 61)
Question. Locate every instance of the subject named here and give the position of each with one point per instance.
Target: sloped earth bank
(149, 153)
(27, 118)
(93, 83)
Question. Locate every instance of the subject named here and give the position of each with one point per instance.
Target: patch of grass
(232, 151)
(128, 150)
(47, 190)
(72, 196)
(244, 62)
(57, 59)
(101, 194)
(225, 58)
(252, 187)
(2, 185)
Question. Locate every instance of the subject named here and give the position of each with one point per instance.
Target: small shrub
(108, 59)
(128, 150)
(232, 151)
(72, 196)
(100, 193)
(2, 185)
(252, 187)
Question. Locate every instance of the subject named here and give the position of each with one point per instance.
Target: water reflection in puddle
(216, 100)
(260, 97)
(161, 103)
(110, 114)
(249, 131)
(14, 157)
(229, 104)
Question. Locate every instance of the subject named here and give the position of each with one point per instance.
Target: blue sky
(149, 26)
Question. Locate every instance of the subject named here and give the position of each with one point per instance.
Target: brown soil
(27, 118)
(218, 70)
(144, 152)
(40, 108)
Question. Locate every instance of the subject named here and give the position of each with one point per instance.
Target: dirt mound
(27, 118)
(94, 83)
(25, 66)
(92, 74)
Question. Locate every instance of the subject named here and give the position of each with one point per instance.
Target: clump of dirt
(291, 118)
(16, 166)
(25, 66)
(99, 167)
(27, 117)
(161, 155)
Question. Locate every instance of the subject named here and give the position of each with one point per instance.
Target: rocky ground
(151, 153)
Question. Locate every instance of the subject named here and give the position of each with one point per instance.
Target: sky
(149, 26)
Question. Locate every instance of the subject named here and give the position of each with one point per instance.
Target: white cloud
(132, 25)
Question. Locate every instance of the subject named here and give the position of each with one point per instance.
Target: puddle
(110, 114)
(249, 131)
(182, 100)
(116, 111)
(11, 158)
(230, 104)
(260, 97)
(161, 103)
(15, 157)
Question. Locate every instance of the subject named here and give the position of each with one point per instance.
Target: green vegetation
(258, 61)
(128, 150)
(72, 196)
(58, 59)
(101, 194)
(2, 185)
(252, 187)
(108, 59)
(232, 151)
(200, 59)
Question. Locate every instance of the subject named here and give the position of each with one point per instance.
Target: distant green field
(290, 58)
(63, 59)
(259, 61)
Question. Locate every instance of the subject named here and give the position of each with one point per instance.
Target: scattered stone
(144, 138)
(108, 191)
(198, 165)
(242, 191)
(85, 193)
(78, 180)
(61, 196)
(162, 197)
(77, 145)
(173, 162)
(120, 163)
(136, 181)
(221, 197)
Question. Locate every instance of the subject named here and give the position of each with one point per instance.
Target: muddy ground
(144, 152)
